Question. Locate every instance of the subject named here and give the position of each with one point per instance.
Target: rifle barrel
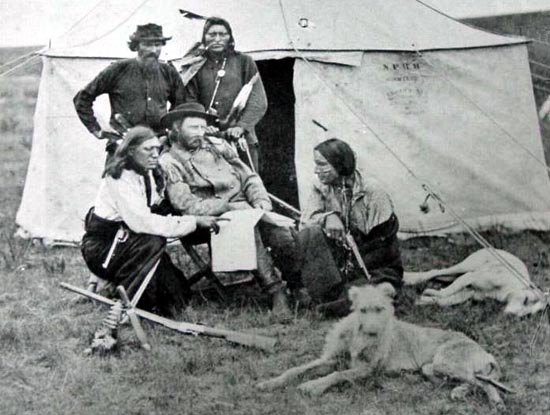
(284, 204)
(245, 339)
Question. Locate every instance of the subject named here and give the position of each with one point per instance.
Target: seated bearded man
(203, 178)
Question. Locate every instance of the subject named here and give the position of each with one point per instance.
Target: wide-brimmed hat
(149, 31)
(188, 109)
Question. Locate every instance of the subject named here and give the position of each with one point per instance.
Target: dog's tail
(495, 383)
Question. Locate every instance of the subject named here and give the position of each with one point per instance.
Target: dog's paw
(431, 292)
(311, 388)
(459, 393)
(425, 300)
(268, 385)
(499, 407)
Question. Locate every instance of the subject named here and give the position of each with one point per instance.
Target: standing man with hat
(227, 83)
(139, 88)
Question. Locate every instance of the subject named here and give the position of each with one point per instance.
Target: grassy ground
(43, 333)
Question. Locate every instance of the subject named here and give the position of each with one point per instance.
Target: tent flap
(66, 160)
(446, 119)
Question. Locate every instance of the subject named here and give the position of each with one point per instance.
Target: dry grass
(43, 333)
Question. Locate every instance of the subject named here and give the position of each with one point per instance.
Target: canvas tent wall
(392, 78)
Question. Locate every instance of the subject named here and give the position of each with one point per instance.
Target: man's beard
(151, 67)
(195, 141)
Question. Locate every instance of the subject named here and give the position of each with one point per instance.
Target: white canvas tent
(454, 104)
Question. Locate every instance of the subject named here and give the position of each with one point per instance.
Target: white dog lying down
(483, 276)
(373, 338)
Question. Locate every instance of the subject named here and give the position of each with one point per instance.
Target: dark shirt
(140, 98)
(239, 69)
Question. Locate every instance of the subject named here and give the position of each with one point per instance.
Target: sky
(34, 22)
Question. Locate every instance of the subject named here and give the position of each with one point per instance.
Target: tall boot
(270, 279)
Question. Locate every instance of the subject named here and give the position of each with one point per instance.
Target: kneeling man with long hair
(128, 203)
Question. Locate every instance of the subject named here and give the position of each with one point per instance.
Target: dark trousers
(322, 261)
(130, 263)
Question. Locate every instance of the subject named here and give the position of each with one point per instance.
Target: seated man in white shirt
(130, 192)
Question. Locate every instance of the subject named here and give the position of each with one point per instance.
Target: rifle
(244, 147)
(350, 241)
(134, 320)
(244, 339)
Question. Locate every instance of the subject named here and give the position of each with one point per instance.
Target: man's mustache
(190, 139)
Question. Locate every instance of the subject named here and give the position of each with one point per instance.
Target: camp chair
(203, 266)
(217, 282)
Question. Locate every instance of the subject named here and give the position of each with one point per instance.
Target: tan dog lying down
(483, 276)
(374, 339)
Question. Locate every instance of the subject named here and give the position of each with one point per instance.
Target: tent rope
(474, 26)
(542, 42)
(42, 48)
(538, 329)
(20, 57)
(13, 69)
(485, 113)
(82, 18)
(540, 88)
(494, 32)
(540, 78)
(539, 64)
(483, 242)
(108, 32)
(476, 235)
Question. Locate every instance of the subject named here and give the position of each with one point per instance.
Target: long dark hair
(339, 154)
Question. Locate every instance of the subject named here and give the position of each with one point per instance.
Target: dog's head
(524, 302)
(373, 307)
